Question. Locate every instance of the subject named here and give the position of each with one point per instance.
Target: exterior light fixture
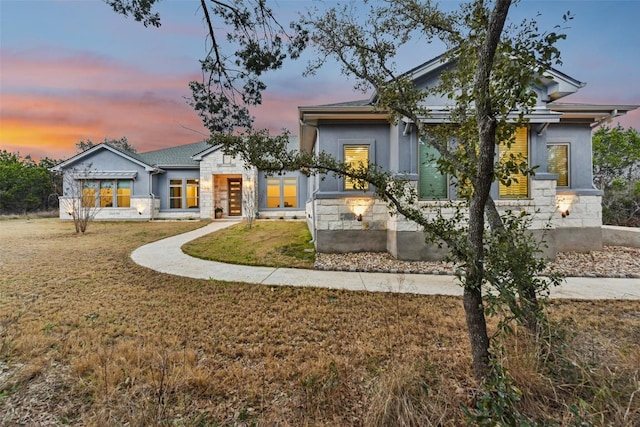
(359, 217)
(564, 205)
(140, 209)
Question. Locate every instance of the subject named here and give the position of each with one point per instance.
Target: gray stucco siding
(334, 136)
(578, 136)
(104, 160)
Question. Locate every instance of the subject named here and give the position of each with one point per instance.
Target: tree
(80, 201)
(616, 171)
(121, 144)
(246, 40)
(495, 66)
(24, 184)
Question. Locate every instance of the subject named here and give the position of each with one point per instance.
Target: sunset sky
(73, 69)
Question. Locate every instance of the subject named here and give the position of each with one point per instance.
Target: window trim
(568, 162)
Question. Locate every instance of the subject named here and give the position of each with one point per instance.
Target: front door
(235, 196)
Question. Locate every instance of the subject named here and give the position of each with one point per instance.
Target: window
(356, 156)
(175, 194)
(124, 194)
(89, 193)
(558, 162)
(290, 192)
(432, 183)
(106, 194)
(282, 192)
(184, 194)
(192, 193)
(112, 193)
(520, 145)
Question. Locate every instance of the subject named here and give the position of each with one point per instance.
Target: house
(561, 195)
(191, 181)
(184, 182)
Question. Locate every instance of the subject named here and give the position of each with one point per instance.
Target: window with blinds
(558, 162)
(518, 189)
(356, 156)
(432, 183)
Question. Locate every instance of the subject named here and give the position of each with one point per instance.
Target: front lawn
(267, 243)
(88, 337)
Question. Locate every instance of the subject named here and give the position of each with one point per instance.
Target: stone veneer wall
(337, 228)
(140, 210)
(213, 181)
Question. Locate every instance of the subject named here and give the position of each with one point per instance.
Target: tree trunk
(486, 124)
(477, 330)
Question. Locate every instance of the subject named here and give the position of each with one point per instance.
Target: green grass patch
(267, 243)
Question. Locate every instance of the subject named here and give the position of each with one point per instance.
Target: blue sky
(73, 69)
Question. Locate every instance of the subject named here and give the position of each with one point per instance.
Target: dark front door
(235, 196)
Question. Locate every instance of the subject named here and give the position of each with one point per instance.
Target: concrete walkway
(166, 256)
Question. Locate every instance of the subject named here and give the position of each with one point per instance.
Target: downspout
(153, 197)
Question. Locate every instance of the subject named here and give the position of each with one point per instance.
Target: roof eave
(102, 146)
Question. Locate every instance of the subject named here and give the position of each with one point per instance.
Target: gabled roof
(132, 157)
(176, 157)
(553, 85)
(556, 83)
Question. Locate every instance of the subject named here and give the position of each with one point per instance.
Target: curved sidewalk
(166, 256)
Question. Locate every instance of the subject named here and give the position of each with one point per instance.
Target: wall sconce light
(140, 209)
(70, 212)
(359, 207)
(564, 205)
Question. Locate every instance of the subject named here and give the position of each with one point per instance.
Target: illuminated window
(124, 194)
(192, 193)
(111, 193)
(520, 145)
(357, 156)
(106, 194)
(175, 194)
(89, 193)
(282, 192)
(290, 192)
(184, 194)
(433, 183)
(558, 162)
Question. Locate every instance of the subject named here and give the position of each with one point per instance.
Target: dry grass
(90, 338)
